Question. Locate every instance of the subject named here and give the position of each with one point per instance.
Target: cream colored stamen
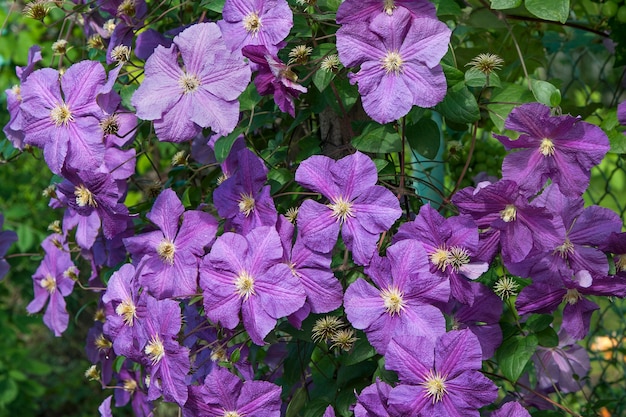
(49, 283)
(189, 83)
(246, 204)
(166, 251)
(155, 349)
(244, 285)
(252, 23)
(435, 385)
(393, 300)
(509, 213)
(61, 115)
(342, 209)
(392, 62)
(84, 197)
(547, 147)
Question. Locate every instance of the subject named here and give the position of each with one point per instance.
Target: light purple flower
(204, 93)
(170, 255)
(401, 300)
(274, 77)
(52, 282)
(224, 394)
(61, 115)
(560, 148)
(359, 11)
(105, 407)
(439, 378)
(7, 238)
(372, 401)
(399, 57)
(246, 274)
(511, 409)
(450, 244)
(357, 206)
(255, 22)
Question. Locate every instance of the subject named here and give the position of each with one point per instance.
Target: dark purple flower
(357, 206)
(105, 407)
(359, 11)
(7, 238)
(224, 394)
(450, 244)
(439, 378)
(245, 274)
(204, 93)
(132, 391)
(52, 282)
(399, 57)
(61, 115)
(274, 77)
(372, 401)
(255, 22)
(560, 148)
(329, 412)
(511, 409)
(401, 299)
(170, 255)
(621, 113)
(243, 198)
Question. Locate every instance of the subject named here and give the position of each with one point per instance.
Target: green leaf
(459, 105)
(504, 100)
(8, 391)
(618, 141)
(453, 74)
(214, 5)
(118, 362)
(477, 78)
(322, 79)
(547, 337)
(25, 237)
(505, 4)
(514, 354)
(225, 143)
(126, 92)
(234, 357)
(297, 402)
(380, 164)
(249, 98)
(377, 138)
(539, 322)
(424, 137)
(361, 351)
(447, 8)
(555, 10)
(546, 93)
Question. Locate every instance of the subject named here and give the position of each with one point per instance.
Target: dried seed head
(331, 63)
(486, 63)
(37, 9)
(300, 54)
(60, 47)
(120, 54)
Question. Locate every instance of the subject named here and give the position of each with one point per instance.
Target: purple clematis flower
(274, 77)
(399, 57)
(450, 245)
(61, 115)
(52, 282)
(245, 274)
(359, 11)
(401, 302)
(439, 378)
(511, 409)
(170, 255)
(357, 206)
(204, 93)
(372, 401)
(224, 394)
(560, 148)
(621, 113)
(133, 392)
(7, 238)
(255, 22)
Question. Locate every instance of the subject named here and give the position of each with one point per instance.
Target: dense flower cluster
(195, 296)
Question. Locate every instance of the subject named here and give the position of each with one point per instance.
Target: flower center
(189, 83)
(392, 298)
(84, 197)
(61, 115)
(572, 296)
(342, 209)
(509, 213)
(127, 310)
(389, 7)
(567, 248)
(252, 23)
(102, 343)
(620, 263)
(547, 147)
(505, 287)
(392, 62)
(230, 414)
(435, 385)
(439, 258)
(246, 204)
(110, 125)
(129, 385)
(49, 283)
(458, 257)
(155, 349)
(244, 285)
(166, 250)
(127, 7)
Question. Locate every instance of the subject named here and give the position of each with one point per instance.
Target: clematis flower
(399, 57)
(203, 94)
(359, 11)
(511, 409)
(255, 22)
(401, 302)
(450, 245)
(357, 206)
(621, 113)
(224, 394)
(560, 148)
(439, 378)
(7, 238)
(274, 77)
(52, 282)
(245, 274)
(372, 401)
(170, 255)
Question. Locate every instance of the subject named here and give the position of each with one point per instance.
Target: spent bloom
(203, 93)
(357, 206)
(399, 57)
